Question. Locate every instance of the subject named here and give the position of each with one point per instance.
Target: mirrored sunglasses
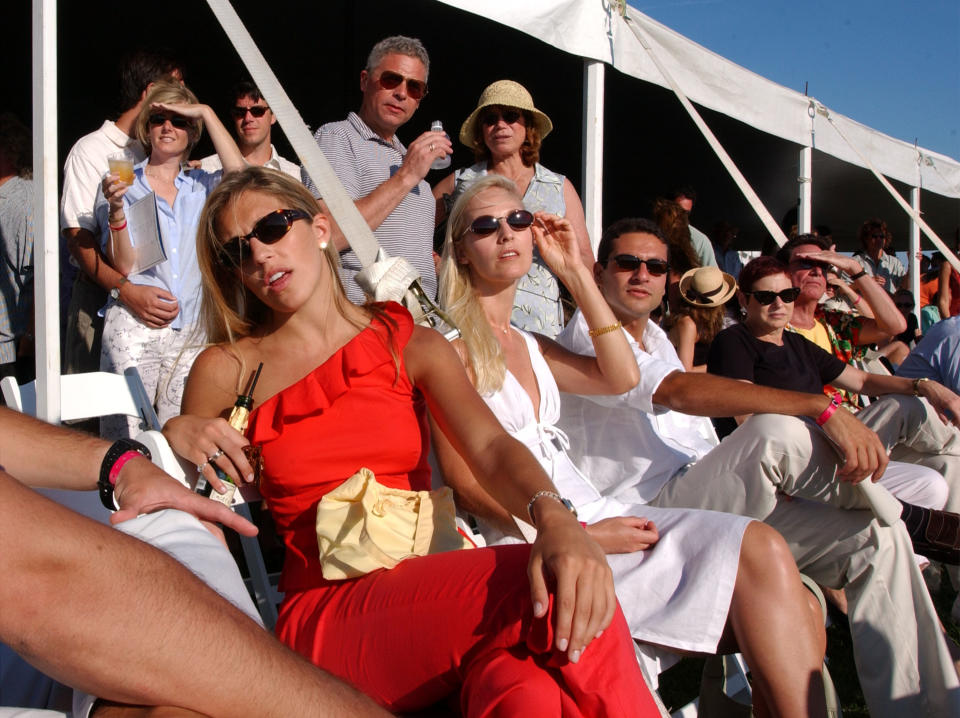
(388, 80)
(787, 296)
(256, 110)
(269, 229)
(492, 117)
(488, 224)
(178, 121)
(631, 263)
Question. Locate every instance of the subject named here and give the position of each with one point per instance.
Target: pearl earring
(323, 245)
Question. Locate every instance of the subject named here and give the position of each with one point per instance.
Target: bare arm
(223, 141)
(940, 397)
(710, 395)
(614, 369)
(944, 297)
(851, 294)
(574, 212)
(683, 335)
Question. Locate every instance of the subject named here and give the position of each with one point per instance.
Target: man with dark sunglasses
(846, 335)
(253, 123)
(640, 448)
(384, 178)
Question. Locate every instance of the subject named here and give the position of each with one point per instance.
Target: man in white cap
(640, 448)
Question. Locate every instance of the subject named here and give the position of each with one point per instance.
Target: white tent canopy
(595, 30)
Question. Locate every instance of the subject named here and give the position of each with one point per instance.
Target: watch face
(115, 293)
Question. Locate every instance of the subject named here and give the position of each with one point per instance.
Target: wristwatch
(115, 292)
(567, 504)
(121, 451)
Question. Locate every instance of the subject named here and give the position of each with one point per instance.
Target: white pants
(163, 358)
(902, 659)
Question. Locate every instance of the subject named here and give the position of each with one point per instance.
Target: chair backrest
(86, 396)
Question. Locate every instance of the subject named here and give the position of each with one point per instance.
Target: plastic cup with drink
(121, 165)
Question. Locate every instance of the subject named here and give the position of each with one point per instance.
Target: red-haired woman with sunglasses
(732, 580)
(505, 132)
(344, 387)
(759, 351)
(158, 338)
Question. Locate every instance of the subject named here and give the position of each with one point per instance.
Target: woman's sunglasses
(631, 263)
(256, 110)
(787, 296)
(178, 121)
(388, 80)
(487, 224)
(268, 229)
(492, 117)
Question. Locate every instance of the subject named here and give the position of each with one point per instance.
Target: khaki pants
(902, 658)
(81, 343)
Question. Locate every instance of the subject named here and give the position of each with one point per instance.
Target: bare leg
(114, 617)
(784, 648)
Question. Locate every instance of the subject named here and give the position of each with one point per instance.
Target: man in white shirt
(253, 122)
(83, 170)
(639, 448)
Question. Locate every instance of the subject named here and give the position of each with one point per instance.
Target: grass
(681, 684)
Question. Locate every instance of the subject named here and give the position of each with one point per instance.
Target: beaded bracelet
(828, 412)
(605, 330)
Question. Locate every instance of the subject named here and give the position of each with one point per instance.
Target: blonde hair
(228, 310)
(168, 92)
(457, 295)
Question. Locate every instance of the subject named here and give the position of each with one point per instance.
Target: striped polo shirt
(363, 161)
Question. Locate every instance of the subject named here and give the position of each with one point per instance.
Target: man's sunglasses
(787, 296)
(487, 224)
(631, 263)
(417, 89)
(269, 229)
(809, 264)
(178, 121)
(256, 110)
(492, 117)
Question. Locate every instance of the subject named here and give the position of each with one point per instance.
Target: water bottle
(441, 163)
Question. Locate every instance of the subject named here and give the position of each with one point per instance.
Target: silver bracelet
(553, 495)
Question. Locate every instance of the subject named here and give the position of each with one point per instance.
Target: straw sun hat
(707, 287)
(506, 93)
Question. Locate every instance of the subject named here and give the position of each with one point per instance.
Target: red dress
(417, 633)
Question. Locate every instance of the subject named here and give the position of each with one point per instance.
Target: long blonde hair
(457, 295)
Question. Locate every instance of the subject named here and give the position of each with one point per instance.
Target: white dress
(677, 594)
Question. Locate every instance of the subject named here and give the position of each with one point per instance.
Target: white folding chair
(264, 585)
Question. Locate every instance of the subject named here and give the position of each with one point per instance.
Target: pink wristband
(119, 463)
(828, 412)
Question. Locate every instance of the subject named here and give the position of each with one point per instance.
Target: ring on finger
(216, 455)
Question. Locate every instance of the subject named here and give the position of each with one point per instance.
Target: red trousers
(461, 621)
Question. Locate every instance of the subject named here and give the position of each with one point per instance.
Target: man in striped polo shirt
(384, 178)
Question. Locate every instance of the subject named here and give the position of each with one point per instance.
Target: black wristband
(116, 450)
(858, 275)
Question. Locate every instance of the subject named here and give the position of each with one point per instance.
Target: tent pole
(913, 251)
(805, 180)
(46, 250)
(592, 184)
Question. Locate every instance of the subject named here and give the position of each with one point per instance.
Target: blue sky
(894, 66)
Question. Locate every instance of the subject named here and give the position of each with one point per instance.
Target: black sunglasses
(631, 263)
(256, 110)
(268, 229)
(787, 296)
(417, 89)
(178, 121)
(487, 224)
(492, 117)
(809, 264)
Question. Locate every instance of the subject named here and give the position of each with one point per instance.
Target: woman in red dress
(345, 387)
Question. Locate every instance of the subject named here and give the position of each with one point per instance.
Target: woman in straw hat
(710, 580)
(698, 316)
(504, 132)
